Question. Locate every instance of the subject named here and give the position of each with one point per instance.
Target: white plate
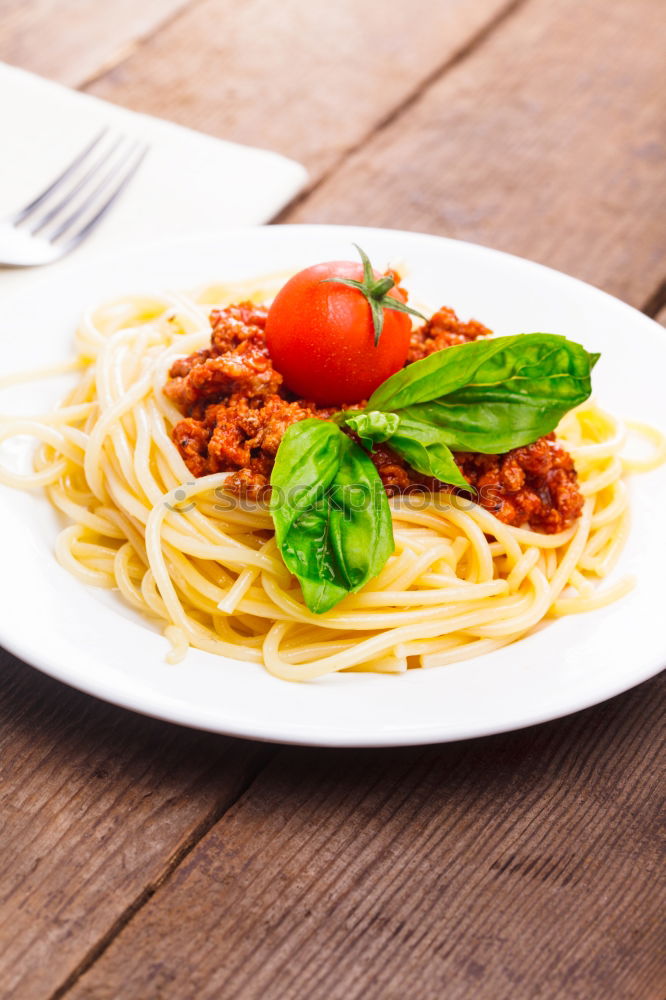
(89, 639)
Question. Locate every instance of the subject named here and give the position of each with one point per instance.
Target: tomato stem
(376, 291)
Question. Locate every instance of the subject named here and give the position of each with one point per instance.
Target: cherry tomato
(321, 334)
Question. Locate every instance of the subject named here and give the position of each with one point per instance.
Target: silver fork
(72, 205)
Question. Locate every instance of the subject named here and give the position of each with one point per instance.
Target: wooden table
(140, 860)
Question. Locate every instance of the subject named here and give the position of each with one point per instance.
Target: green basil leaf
(488, 427)
(422, 445)
(543, 368)
(306, 463)
(360, 517)
(372, 426)
(332, 520)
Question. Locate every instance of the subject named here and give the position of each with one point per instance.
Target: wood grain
(548, 141)
(97, 806)
(307, 79)
(515, 867)
(72, 40)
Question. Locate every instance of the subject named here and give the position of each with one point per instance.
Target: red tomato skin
(321, 338)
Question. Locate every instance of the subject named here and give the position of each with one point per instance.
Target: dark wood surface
(140, 860)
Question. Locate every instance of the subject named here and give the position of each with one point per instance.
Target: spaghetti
(204, 564)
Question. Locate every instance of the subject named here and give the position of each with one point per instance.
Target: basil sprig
(488, 396)
(332, 520)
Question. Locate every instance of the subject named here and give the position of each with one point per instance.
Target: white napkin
(188, 183)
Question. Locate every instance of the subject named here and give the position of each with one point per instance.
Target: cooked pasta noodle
(205, 566)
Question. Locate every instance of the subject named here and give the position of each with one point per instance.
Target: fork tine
(90, 173)
(121, 184)
(28, 209)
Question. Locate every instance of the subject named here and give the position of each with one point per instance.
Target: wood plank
(517, 866)
(548, 142)
(655, 305)
(97, 806)
(307, 79)
(72, 40)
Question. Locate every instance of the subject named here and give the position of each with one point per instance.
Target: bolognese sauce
(236, 409)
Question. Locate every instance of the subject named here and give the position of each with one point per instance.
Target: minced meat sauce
(236, 411)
